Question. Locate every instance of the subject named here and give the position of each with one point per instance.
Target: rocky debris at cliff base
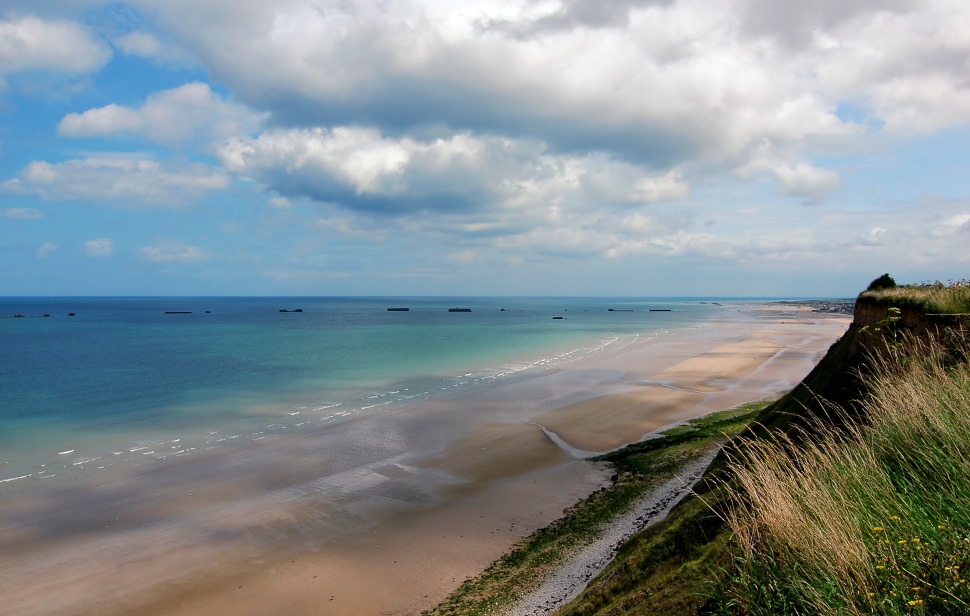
(572, 576)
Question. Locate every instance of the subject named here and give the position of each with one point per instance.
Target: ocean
(89, 384)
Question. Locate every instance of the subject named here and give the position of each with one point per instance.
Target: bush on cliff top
(883, 282)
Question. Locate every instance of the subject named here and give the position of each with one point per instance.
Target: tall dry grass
(872, 517)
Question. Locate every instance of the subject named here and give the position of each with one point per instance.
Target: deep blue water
(122, 381)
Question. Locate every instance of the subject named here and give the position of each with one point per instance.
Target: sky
(485, 147)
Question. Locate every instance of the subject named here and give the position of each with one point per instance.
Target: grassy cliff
(847, 495)
(929, 298)
(868, 517)
(638, 469)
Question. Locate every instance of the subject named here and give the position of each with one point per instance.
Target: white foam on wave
(345, 406)
(16, 478)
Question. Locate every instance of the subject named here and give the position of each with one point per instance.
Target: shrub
(883, 282)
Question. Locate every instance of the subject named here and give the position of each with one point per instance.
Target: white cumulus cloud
(30, 43)
(171, 252)
(117, 180)
(670, 83)
(100, 247)
(362, 169)
(190, 112)
(803, 180)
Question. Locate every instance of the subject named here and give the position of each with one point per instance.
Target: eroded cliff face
(836, 379)
(873, 326)
(869, 314)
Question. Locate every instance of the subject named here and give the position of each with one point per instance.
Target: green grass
(665, 569)
(668, 567)
(638, 468)
(930, 298)
(846, 496)
(866, 517)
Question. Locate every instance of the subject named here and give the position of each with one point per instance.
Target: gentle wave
(310, 415)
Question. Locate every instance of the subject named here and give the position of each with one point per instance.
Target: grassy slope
(666, 569)
(872, 518)
(670, 567)
(677, 565)
(680, 566)
(638, 467)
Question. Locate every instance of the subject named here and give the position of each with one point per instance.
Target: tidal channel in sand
(382, 514)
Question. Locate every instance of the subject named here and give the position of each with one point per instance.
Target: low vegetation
(638, 468)
(849, 495)
(952, 297)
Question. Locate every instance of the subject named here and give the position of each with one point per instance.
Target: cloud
(661, 83)
(362, 170)
(876, 236)
(30, 43)
(635, 91)
(101, 247)
(502, 131)
(904, 62)
(125, 181)
(145, 44)
(612, 182)
(954, 225)
(960, 221)
(23, 213)
(138, 43)
(807, 181)
(45, 250)
(192, 112)
(173, 252)
(568, 15)
(813, 184)
(795, 24)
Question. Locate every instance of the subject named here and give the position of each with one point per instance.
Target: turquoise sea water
(122, 382)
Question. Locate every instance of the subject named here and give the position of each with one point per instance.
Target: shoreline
(430, 500)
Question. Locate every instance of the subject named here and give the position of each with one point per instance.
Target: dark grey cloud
(573, 14)
(792, 22)
(400, 107)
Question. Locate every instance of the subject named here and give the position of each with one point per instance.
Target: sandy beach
(383, 514)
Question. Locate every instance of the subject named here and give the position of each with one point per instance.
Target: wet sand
(382, 514)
